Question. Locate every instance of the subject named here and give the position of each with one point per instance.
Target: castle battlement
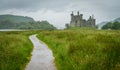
(78, 21)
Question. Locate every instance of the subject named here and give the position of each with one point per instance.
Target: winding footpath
(42, 57)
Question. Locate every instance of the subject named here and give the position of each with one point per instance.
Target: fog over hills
(100, 25)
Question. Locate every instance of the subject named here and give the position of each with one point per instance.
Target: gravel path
(42, 57)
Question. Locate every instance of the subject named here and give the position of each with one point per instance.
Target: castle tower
(78, 21)
(91, 21)
(78, 13)
(72, 16)
(81, 16)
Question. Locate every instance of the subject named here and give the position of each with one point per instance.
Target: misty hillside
(100, 25)
(16, 19)
(117, 19)
(21, 22)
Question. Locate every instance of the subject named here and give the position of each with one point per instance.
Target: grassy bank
(15, 49)
(84, 49)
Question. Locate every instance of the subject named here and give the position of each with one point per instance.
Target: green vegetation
(80, 28)
(73, 49)
(84, 49)
(21, 22)
(15, 50)
(112, 25)
(16, 19)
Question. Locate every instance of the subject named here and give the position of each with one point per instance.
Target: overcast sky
(57, 12)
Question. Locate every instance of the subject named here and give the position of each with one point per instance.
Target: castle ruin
(78, 21)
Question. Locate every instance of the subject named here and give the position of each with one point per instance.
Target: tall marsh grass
(15, 50)
(84, 49)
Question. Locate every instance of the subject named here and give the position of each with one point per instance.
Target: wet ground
(42, 57)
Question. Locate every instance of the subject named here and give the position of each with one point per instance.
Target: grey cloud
(57, 4)
(101, 8)
(32, 4)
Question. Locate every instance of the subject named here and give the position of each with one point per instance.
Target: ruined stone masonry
(78, 21)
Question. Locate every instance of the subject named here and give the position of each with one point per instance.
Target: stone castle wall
(78, 21)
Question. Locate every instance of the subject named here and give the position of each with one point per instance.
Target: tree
(112, 25)
(107, 26)
(67, 26)
(116, 25)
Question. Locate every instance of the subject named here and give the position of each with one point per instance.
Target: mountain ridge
(23, 22)
(16, 18)
(100, 25)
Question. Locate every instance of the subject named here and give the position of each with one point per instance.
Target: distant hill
(115, 24)
(21, 22)
(117, 19)
(100, 25)
(112, 25)
(17, 19)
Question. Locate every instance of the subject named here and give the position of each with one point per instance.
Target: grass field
(84, 49)
(15, 49)
(75, 49)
